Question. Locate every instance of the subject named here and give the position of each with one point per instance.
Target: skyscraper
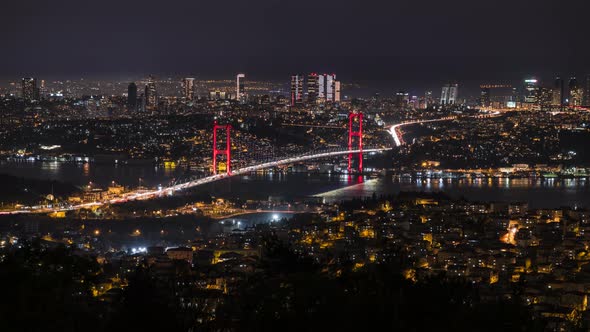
(189, 88)
(576, 93)
(587, 92)
(132, 96)
(485, 99)
(531, 91)
(336, 91)
(240, 89)
(42, 90)
(312, 88)
(330, 79)
(449, 94)
(428, 99)
(29, 89)
(322, 88)
(151, 95)
(296, 89)
(557, 93)
(545, 98)
(326, 84)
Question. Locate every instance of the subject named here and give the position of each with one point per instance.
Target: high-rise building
(428, 99)
(42, 90)
(576, 93)
(336, 91)
(326, 87)
(531, 91)
(330, 79)
(449, 94)
(557, 93)
(132, 96)
(151, 94)
(296, 89)
(141, 103)
(414, 103)
(322, 88)
(587, 92)
(545, 98)
(485, 99)
(29, 89)
(189, 88)
(240, 88)
(312, 88)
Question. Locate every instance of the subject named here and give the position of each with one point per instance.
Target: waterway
(537, 192)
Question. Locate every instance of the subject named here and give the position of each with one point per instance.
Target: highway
(395, 130)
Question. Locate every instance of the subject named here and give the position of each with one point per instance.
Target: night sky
(413, 43)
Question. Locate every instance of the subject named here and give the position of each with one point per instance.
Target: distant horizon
(468, 87)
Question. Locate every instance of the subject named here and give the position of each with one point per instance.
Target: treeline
(49, 290)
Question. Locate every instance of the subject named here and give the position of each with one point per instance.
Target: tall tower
(151, 95)
(29, 89)
(355, 133)
(587, 91)
(322, 88)
(449, 94)
(240, 89)
(132, 96)
(428, 99)
(42, 90)
(330, 79)
(312, 88)
(223, 152)
(189, 88)
(336, 91)
(531, 91)
(296, 89)
(575, 93)
(485, 98)
(557, 93)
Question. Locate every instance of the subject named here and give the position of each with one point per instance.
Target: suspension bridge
(355, 149)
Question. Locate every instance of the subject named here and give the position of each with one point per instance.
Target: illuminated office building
(29, 89)
(557, 94)
(531, 91)
(449, 94)
(327, 88)
(576, 93)
(151, 95)
(296, 90)
(189, 88)
(240, 87)
(312, 88)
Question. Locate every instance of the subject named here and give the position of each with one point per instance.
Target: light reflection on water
(539, 192)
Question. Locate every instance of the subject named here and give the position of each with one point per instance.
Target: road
(395, 130)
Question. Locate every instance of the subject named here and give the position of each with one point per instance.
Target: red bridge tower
(226, 152)
(359, 134)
